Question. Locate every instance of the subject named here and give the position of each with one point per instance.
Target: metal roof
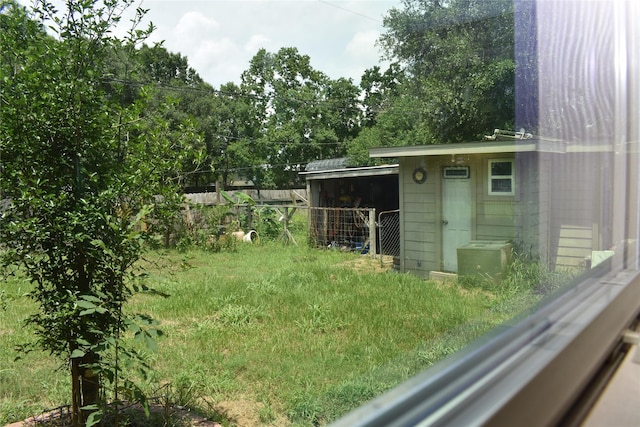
(351, 172)
(327, 164)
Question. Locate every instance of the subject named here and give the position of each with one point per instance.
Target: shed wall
(419, 216)
(505, 218)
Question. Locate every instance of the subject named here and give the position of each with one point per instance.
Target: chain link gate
(389, 235)
(349, 229)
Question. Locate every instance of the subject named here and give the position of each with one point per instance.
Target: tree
(378, 89)
(398, 123)
(233, 130)
(179, 97)
(389, 114)
(158, 65)
(459, 57)
(79, 172)
(303, 115)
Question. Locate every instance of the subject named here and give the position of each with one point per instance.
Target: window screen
(501, 177)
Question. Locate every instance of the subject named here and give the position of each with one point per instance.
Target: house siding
(418, 219)
(537, 236)
(494, 217)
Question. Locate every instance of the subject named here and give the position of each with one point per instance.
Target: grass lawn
(294, 335)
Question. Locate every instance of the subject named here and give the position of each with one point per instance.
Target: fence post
(373, 238)
(311, 221)
(325, 226)
(287, 237)
(249, 216)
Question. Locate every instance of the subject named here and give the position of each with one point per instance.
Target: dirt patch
(60, 417)
(247, 413)
(366, 264)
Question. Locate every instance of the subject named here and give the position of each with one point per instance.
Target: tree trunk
(85, 382)
(76, 395)
(85, 388)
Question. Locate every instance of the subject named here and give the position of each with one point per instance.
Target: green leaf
(150, 342)
(227, 197)
(147, 339)
(94, 417)
(99, 243)
(85, 304)
(92, 407)
(77, 353)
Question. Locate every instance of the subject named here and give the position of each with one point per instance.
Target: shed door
(457, 208)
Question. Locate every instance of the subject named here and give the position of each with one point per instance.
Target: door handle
(445, 222)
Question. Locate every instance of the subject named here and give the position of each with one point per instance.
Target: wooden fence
(261, 197)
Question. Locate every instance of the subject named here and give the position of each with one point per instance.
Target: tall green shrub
(82, 177)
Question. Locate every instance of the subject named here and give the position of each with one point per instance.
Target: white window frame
(492, 177)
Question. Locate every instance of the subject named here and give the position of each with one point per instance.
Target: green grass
(305, 334)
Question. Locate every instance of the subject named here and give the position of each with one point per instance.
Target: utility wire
(233, 94)
(350, 11)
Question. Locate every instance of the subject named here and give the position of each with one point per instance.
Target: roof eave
(459, 148)
(352, 172)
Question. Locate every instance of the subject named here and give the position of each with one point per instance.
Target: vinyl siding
(419, 219)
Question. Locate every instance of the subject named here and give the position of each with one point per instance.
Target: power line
(234, 94)
(350, 11)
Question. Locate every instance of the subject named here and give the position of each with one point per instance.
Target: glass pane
(501, 168)
(501, 185)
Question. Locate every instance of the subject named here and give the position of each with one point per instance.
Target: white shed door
(456, 219)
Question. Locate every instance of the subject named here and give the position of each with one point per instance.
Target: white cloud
(257, 42)
(362, 47)
(195, 25)
(216, 59)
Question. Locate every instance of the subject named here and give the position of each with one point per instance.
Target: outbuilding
(542, 197)
(345, 201)
(333, 183)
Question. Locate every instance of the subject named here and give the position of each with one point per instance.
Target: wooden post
(325, 225)
(286, 216)
(373, 238)
(287, 234)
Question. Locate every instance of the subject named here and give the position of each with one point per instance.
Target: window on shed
(501, 177)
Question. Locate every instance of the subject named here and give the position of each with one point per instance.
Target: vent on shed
(456, 172)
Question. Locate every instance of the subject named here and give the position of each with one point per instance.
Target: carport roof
(351, 172)
(327, 164)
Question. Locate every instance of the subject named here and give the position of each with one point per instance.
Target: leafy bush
(266, 223)
(211, 227)
(206, 227)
